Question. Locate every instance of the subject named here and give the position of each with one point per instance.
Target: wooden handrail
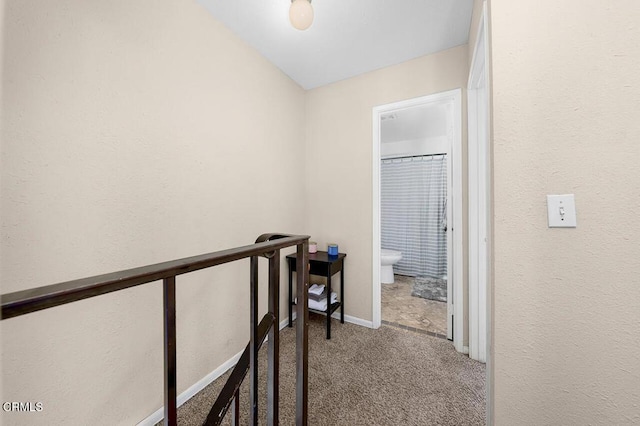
(267, 245)
(35, 299)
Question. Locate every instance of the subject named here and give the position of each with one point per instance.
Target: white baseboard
(158, 415)
(465, 350)
(194, 389)
(347, 318)
(284, 323)
(354, 320)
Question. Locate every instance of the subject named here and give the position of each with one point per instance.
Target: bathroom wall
(428, 146)
(133, 133)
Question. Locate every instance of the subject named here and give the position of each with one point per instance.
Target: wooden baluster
(274, 340)
(169, 305)
(253, 342)
(235, 410)
(302, 333)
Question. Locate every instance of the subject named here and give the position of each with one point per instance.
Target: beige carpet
(367, 377)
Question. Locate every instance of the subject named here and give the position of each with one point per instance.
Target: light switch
(562, 211)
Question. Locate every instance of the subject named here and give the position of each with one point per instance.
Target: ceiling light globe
(301, 14)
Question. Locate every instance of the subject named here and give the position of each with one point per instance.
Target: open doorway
(417, 207)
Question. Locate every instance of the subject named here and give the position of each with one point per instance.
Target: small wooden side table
(322, 265)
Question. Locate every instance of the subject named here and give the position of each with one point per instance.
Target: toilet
(388, 258)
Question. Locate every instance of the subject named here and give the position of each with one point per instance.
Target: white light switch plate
(562, 211)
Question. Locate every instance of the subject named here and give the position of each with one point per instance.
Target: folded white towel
(321, 305)
(316, 289)
(318, 306)
(320, 296)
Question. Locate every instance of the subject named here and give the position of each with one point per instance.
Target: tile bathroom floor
(399, 307)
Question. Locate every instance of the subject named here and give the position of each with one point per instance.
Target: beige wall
(566, 96)
(339, 150)
(133, 133)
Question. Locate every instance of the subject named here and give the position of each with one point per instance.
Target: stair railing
(267, 245)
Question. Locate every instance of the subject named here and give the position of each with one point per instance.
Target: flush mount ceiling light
(301, 14)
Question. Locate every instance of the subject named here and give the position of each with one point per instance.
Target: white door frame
(455, 307)
(479, 166)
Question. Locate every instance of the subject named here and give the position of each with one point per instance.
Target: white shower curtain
(413, 207)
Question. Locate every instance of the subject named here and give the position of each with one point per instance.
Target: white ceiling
(347, 37)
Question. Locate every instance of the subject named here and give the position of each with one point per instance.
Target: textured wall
(133, 133)
(566, 96)
(339, 150)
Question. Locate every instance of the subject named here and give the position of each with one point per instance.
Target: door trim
(454, 204)
(479, 166)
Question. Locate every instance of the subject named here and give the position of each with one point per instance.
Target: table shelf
(334, 307)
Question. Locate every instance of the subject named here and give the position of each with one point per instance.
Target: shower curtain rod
(412, 156)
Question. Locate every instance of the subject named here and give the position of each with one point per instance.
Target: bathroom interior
(413, 201)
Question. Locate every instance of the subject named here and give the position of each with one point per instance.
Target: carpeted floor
(368, 377)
